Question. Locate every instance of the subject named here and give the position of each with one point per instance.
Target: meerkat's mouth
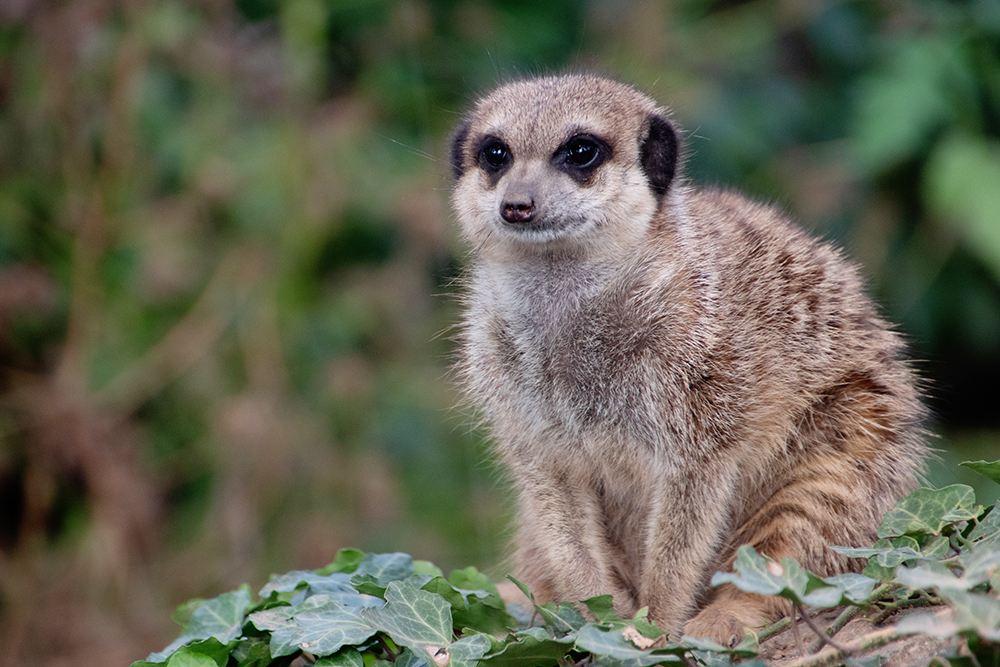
(541, 230)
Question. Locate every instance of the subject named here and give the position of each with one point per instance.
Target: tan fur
(669, 372)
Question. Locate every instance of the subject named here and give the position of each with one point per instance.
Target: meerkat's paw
(731, 613)
(718, 625)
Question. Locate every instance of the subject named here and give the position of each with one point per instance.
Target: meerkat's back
(669, 372)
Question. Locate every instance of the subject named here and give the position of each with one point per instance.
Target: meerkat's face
(562, 163)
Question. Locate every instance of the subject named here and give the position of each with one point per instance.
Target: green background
(227, 263)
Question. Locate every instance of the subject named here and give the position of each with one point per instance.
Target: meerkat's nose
(518, 211)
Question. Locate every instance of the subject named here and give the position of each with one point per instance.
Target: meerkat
(668, 372)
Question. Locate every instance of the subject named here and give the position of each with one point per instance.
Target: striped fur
(669, 372)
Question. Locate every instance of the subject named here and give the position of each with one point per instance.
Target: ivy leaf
(981, 562)
(386, 567)
(611, 648)
(406, 659)
(562, 619)
(937, 624)
(321, 626)
(529, 648)
(747, 648)
(977, 612)
(988, 528)
(272, 619)
(601, 609)
(252, 653)
(220, 618)
(922, 510)
(346, 560)
(930, 575)
(467, 651)
(989, 468)
(427, 568)
(855, 587)
(787, 579)
(413, 618)
(337, 582)
(184, 659)
(893, 554)
(345, 657)
(476, 609)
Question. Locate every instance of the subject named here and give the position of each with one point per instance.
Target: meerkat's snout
(518, 210)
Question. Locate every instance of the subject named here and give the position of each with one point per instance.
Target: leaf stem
(385, 647)
(924, 600)
(774, 628)
(823, 637)
(795, 632)
(851, 612)
(832, 656)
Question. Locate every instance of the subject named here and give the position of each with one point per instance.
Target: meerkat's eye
(581, 152)
(494, 156)
(581, 156)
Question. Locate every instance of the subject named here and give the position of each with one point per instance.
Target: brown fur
(669, 372)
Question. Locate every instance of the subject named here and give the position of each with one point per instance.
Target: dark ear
(458, 150)
(659, 155)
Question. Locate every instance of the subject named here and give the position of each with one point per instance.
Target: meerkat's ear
(458, 150)
(658, 154)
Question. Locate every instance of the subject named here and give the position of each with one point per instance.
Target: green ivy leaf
(182, 615)
(562, 619)
(981, 562)
(321, 626)
(787, 579)
(346, 560)
(529, 648)
(892, 554)
(220, 618)
(184, 659)
(855, 587)
(962, 514)
(930, 575)
(252, 653)
(425, 567)
(989, 468)
(472, 579)
(467, 651)
(406, 659)
(977, 612)
(413, 618)
(337, 582)
(747, 648)
(922, 510)
(386, 567)
(611, 648)
(345, 657)
(988, 528)
(601, 609)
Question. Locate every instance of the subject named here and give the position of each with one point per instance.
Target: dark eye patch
(494, 156)
(581, 155)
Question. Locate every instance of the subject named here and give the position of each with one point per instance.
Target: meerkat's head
(562, 165)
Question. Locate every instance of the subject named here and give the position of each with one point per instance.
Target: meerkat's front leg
(562, 547)
(687, 528)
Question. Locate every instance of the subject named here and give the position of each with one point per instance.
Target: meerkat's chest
(586, 373)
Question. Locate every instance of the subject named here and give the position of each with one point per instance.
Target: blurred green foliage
(226, 264)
